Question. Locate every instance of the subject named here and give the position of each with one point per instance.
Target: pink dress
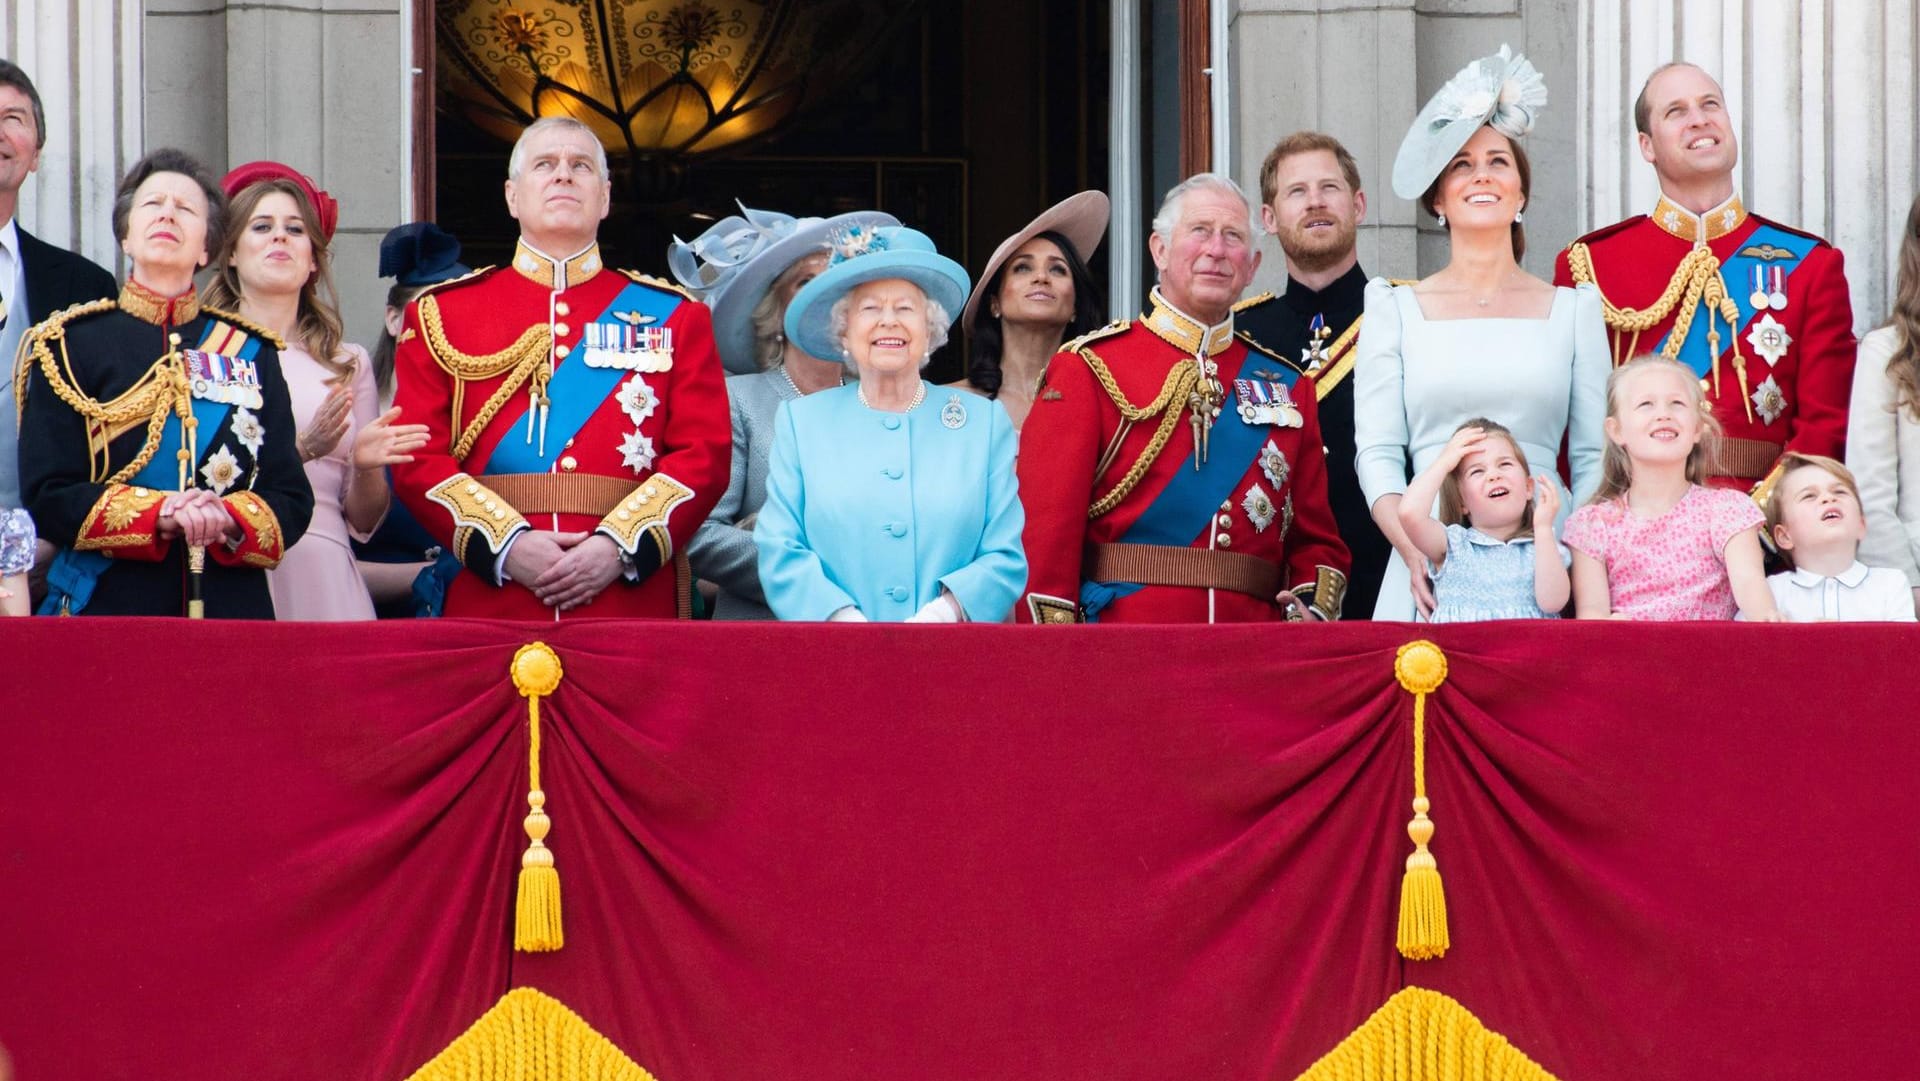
(318, 579)
(1673, 567)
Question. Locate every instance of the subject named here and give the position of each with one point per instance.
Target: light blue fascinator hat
(1503, 91)
(733, 264)
(870, 255)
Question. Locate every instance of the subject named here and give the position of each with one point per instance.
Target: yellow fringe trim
(536, 911)
(1421, 668)
(531, 1036)
(1422, 1035)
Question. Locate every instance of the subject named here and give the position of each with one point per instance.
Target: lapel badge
(1769, 339)
(634, 319)
(953, 414)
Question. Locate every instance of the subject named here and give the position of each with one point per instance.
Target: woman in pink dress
(273, 269)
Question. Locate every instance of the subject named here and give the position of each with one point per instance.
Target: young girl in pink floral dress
(1654, 543)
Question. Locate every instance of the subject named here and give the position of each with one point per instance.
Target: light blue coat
(880, 510)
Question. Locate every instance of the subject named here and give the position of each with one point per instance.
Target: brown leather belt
(1747, 459)
(560, 493)
(1198, 568)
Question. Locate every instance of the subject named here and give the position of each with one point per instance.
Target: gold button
(1223, 540)
(561, 351)
(499, 516)
(633, 504)
(141, 492)
(568, 464)
(569, 445)
(473, 489)
(1226, 519)
(1705, 386)
(561, 330)
(644, 497)
(625, 516)
(560, 307)
(646, 489)
(1227, 505)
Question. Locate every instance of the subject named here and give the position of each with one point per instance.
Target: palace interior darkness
(969, 119)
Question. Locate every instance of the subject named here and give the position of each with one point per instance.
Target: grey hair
(937, 323)
(1170, 207)
(518, 159)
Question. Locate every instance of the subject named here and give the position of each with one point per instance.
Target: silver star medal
(1769, 401)
(1769, 339)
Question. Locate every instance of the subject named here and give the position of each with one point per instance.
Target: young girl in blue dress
(1492, 548)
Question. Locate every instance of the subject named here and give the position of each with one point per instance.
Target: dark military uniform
(1284, 327)
(125, 401)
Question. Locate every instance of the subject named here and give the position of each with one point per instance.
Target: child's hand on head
(1546, 504)
(1464, 442)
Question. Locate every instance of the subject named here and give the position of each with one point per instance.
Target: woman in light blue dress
(890, 500)
(1481, 337)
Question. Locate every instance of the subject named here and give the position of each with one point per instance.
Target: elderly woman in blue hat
(1481, 337)
(748, 268)
(889, 500)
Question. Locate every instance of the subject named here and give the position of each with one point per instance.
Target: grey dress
(722, 551)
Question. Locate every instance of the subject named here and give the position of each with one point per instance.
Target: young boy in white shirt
(1815, 519)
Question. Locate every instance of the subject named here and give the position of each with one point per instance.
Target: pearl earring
(1443, 220)
(1519, 216)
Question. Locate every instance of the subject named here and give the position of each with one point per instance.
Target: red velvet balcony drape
(280, 851)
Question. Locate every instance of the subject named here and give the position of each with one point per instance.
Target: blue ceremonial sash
(578, 389)
(1193, 494)
(1736, 272)
(72, 574)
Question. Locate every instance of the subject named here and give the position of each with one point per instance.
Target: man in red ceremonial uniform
(1758, 310)
(579, 421)
(1170, 473)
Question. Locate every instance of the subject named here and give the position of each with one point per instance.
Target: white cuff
(847, 614)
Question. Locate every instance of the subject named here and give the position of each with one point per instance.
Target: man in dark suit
(36, 278)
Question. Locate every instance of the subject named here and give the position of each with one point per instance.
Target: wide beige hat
(1081, 218)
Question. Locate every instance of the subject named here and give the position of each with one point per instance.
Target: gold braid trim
(1181, 379)
(529, 357)
(1422, 1035)
(1695, 281)
(161, 392)
(531, 1036)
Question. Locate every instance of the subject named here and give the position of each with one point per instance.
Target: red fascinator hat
(253, 172)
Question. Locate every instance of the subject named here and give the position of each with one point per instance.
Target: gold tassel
(1421, 668)
(536, 912)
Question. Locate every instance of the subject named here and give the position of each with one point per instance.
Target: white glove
(847, 614)
(941, 609)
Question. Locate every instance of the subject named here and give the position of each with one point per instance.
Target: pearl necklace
(919, 396)
(797, 392)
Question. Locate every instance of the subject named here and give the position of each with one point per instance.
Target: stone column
(84, 59)
(321, 86)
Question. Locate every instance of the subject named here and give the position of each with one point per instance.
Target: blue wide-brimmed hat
(870, 255)
(420, 253)
(733, 264)
(1502, 91)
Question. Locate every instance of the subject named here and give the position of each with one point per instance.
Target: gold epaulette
(658, 283)
(525, 358)
(161, 391)
(247, 325)
(34, 343)
(1251, 301)
(1094, 335)
(470, 275)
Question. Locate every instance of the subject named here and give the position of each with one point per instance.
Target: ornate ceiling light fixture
(661, 82)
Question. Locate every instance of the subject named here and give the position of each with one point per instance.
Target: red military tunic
(1091, 476)
(633, 442)
(1796, 354)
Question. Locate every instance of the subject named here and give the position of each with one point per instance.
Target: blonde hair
(770, 313)
(1616, 469)
(1793, 460)
(318, 328)
(1453, 506)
